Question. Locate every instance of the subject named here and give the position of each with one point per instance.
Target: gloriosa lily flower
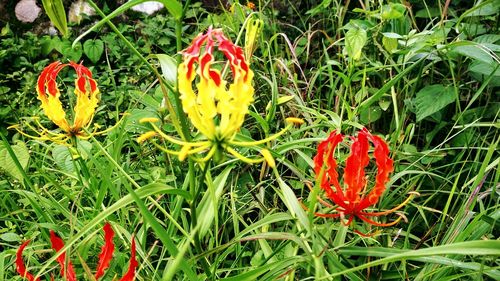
(87, 97)
(353, 200)
(217, 110)
(67, 269)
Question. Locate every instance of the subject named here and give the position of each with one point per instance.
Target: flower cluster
(67, 269)
(217, 110)
(355, 197)
(87, 98)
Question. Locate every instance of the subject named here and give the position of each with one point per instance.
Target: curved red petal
(42, 79)
(20, 267)
(106, 251)
(325, 158)
(233, 53)
(130, 274)
(84, 75)
(57, 245)
(354, 171)
(384, 168)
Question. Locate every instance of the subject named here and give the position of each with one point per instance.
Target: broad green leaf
(355, 40)
(433, 98)
(370, 114)
(475, 51)
(174, 7)
(72, 53)
(57, 15)
(484, 68)
(168, 68)
(390, 44)
(428, 13)
(93, 49)
(10, 237)
(486, 8)
(63, 158)
(392, 11)
(8, 164)
(487, 38)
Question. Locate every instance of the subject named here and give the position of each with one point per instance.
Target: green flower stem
(187, 137)
(194, 218)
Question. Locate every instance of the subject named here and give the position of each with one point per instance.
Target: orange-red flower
(86, 100)
(67, 269)
(355, 196)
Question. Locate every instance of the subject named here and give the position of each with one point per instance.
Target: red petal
(21, 268)
(42, 79)
(130, 275)
(84, 75)
(106, 252)
(384, 168)
(325, 158)
(57, 245)
(233, 53)
(354, 172)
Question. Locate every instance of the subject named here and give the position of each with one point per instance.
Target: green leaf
(475, 51)
(482, 248)
(93, 49)
(428, 13)
(72, 53)
(293, 205)
(168, 68)
(57, 15)
(8, 164)
(63, 158)
(486, 8)
(355, 40)
(393, 11)
(10, 237)
(370, 114)
(209, 203)
(433, 98)
(174, 8)
(390, 44)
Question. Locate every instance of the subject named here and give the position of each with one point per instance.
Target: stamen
(146, 136)
(268, 157)
(243, 158)
(259, 142)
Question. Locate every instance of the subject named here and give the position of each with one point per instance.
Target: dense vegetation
(421, 75)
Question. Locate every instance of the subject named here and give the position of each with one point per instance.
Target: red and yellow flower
(67, 269)
(216, 107)
(354, 197)
(87, 98)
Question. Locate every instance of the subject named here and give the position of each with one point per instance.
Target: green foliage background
(422, 74)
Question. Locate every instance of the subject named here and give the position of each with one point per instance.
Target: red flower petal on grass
(21, 268)
(130, 275)
(57, 245)
(355, 196)
(106, 252)
(354, 172)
